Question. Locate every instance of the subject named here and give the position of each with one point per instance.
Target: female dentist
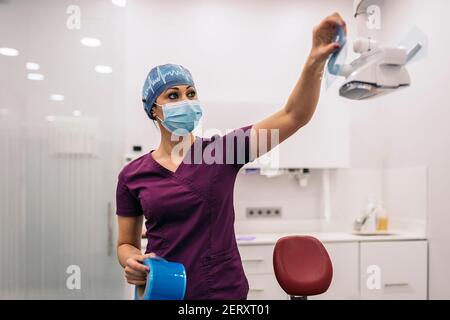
(184, 188)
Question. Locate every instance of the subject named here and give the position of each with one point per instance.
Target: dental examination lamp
(379, 69)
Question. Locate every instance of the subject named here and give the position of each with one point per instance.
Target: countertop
(325, 237)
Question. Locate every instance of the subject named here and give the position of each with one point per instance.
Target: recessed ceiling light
(9, 52)
(57, 97)
(76, 113)
(120, 3)
(35, 76)
(50, 118)
(103, 69)
(91, 42)
(32, 66)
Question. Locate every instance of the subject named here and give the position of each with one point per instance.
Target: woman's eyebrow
(176, 88)
(173, 88)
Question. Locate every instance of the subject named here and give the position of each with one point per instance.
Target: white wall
(250, 51)
(239, 51)
(284, 192)
(416, 123)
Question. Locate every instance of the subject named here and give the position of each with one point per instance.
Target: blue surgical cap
(162, 78)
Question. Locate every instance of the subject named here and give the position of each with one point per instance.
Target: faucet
(360, 222)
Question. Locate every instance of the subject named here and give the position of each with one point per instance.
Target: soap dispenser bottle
(382, 218)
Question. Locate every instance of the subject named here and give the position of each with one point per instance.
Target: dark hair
(151, 112)
(152, 117)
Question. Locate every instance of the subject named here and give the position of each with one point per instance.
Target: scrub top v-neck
(189, 212)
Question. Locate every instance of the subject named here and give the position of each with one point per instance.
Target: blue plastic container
(165, 281)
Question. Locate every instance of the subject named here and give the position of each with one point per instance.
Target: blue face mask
(181, 118)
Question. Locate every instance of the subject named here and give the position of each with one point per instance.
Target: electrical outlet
(264, 212)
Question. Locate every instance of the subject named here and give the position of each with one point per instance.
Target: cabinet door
(258, 265)
(264, 287)
(257, 259)
(345, 283)
(394, 270)
(323, 143)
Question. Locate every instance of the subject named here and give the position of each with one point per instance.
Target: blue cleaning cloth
(161, 78)
(338, 57)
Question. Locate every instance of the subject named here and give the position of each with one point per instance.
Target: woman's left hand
(323, 37)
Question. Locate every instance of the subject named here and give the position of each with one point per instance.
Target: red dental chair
(302, 266)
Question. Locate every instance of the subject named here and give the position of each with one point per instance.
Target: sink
(245, 238)
(373, 233)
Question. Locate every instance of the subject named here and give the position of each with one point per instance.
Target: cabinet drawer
(400, 267)
(264, 287)
(257, 259)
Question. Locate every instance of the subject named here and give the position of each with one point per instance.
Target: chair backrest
(302, 266)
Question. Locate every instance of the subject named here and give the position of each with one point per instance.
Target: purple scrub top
(189, 213)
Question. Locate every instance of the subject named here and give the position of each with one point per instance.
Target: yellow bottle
(382, 219)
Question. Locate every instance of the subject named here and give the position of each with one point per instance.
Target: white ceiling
(38, 29)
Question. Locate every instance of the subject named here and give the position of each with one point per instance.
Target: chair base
(298, 298)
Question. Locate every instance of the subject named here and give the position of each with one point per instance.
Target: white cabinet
(391, 270)
(345, 283)
(258, 266)
(394, 270)
(257, 259)
(400, 267)
(323, 143)
(265, 287)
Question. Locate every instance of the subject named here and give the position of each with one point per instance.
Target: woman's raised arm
(303, 100)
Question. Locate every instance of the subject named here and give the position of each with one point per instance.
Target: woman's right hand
(135, 271)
